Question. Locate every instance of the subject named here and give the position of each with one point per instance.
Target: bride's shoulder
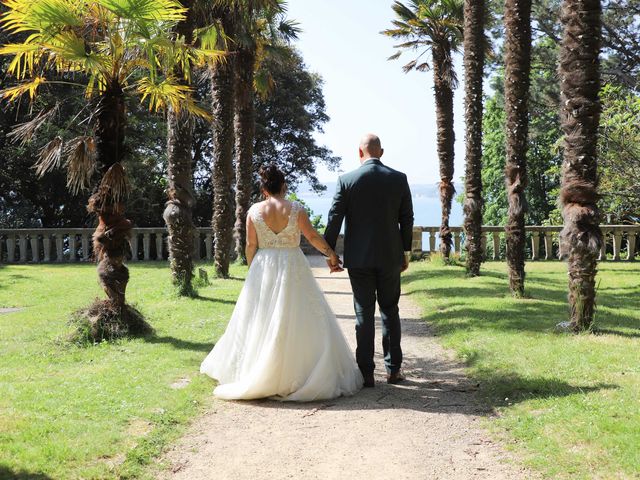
(255, 209)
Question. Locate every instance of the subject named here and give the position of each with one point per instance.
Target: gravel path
(426, 428)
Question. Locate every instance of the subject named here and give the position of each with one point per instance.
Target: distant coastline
(426, 203)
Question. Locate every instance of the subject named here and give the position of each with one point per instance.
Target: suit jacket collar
(372, 161)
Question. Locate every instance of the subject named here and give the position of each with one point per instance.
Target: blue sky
(365, 92)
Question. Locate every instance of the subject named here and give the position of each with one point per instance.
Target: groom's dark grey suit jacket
(375, 202)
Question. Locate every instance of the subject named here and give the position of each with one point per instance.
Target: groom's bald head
(370, 147)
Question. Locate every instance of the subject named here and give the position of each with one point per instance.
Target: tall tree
(178, 214)
(263, 31)
(105, 61)
(517, 20)
(474, 53)
(579, 116)
(435, 26)
(223, 81)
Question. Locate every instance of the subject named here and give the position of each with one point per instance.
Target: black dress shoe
(369, 381)
(396, 377)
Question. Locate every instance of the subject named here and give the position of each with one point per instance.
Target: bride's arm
(315, 238)
(252, 241)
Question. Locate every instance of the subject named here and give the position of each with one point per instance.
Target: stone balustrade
(543, 244)
(50, 245)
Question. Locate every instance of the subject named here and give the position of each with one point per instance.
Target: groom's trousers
(367, 285)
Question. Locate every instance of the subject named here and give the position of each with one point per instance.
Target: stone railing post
(146, 246)
(133, 244)
(535, 245)
(457, 236)
(484, 244)
(617, 243)
(432, 240)
(22, 245)
(208, 245)
(496, 245)
(197, 250)
(159, 244)
(72, 247)
(46, 246)
(11, 248)
(35, 248)
(631, 245)
(416, 242)
(85, 247)
(548, 245)
(603, 247)
(59, 247)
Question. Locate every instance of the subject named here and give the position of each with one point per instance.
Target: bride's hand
(334, 262)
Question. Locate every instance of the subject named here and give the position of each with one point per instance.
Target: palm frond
(44, 16)
(146, 10)
(31, 87)
(409, 66)
(24, 132)
(81, 163)
(25, 56)
(289, 29)
(49, 156)
(113, 188)
(163, 93)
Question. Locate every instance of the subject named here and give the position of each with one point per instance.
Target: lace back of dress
(289, 237)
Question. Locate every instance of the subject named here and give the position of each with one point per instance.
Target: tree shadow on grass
(202, 298)
(544, 306)
(8, 473)
(179, 343)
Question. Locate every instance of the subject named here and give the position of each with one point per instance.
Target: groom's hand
(405, 262)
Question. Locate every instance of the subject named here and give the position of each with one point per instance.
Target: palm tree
(178, 214)
(580, 115)
(474, 51)
(435, 26)
(110, 49)
(517, 19)
(263, 32)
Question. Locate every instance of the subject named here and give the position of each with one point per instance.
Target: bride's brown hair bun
(271, 179)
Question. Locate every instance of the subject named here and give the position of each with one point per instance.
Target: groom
(375, 201)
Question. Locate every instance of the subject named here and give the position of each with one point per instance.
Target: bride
(283, 340)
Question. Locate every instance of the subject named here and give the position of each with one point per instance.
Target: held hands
(335, 263)
(405, 262)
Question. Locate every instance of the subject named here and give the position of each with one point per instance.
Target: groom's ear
(381, 152)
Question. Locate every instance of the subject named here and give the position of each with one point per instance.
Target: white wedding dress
(283, 340)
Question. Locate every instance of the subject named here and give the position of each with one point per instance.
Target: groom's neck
(366, 159)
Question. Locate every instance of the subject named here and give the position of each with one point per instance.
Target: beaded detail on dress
(289, 237)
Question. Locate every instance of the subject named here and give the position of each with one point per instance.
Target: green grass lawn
(102, 411)
(569, 405)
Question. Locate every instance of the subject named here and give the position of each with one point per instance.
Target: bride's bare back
(275, 213)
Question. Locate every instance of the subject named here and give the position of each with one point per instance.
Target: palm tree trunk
(245, 126)
(178, 213)
(222, 106)
(517, 67)
(442, 83)
(110, 239)
(111, 318)
(580, 116)
(474, 46)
